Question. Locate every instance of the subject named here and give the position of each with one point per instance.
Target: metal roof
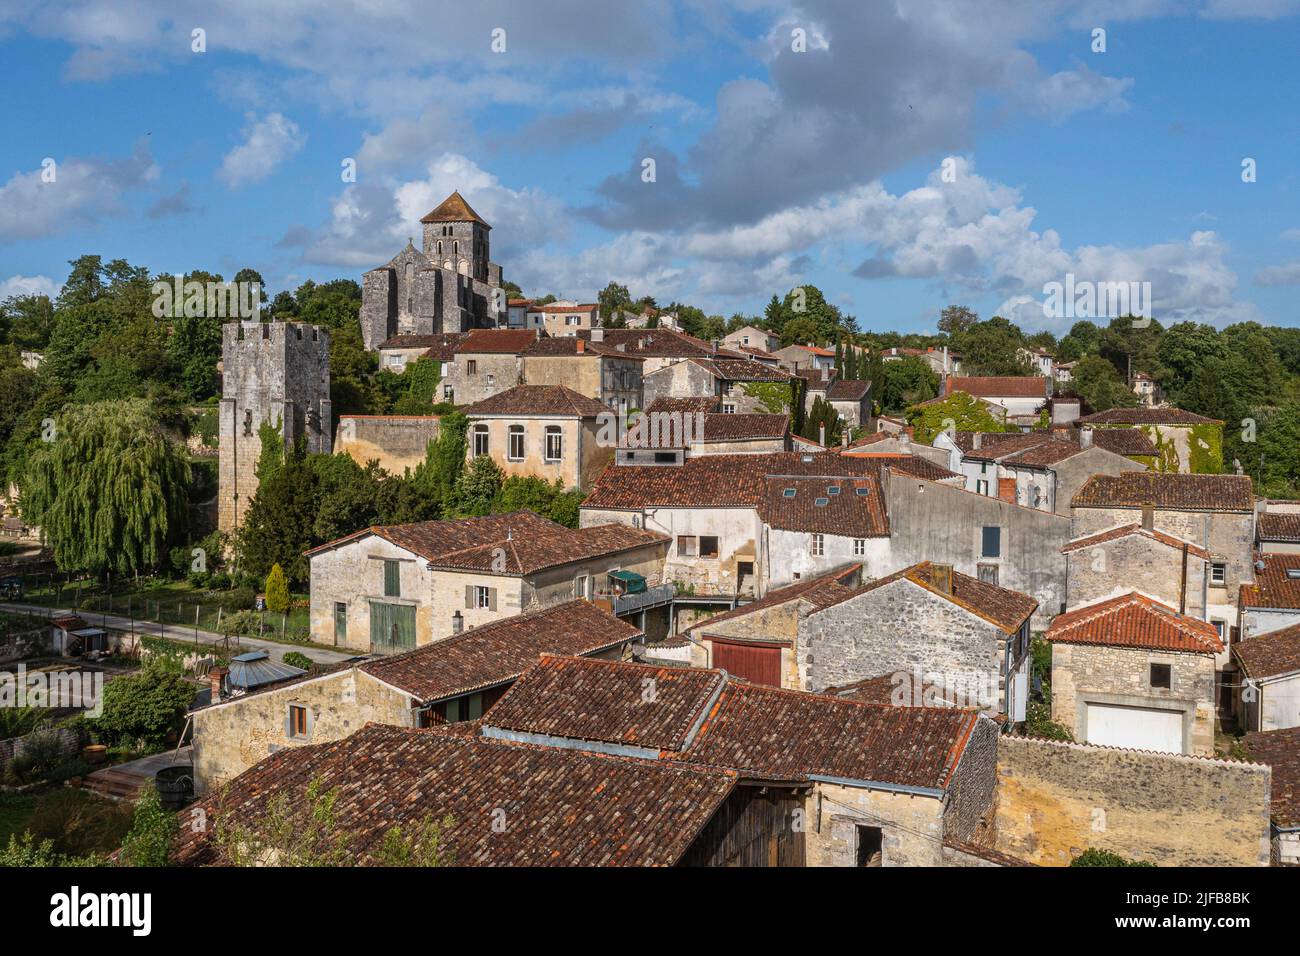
(256, 668)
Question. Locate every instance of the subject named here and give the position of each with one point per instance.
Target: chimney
(822, 433)
(941, 577)
(844, 437)
(905, 441)
(977, 440)
(220, 687)
(1148, 517)
(457, 623)
(1085, 436)
(582, 346)
(715, 344)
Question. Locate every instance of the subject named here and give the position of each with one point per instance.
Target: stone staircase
(114, 783)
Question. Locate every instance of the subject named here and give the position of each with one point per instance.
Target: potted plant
(94, 753)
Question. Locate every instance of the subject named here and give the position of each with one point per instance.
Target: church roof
(454, 209)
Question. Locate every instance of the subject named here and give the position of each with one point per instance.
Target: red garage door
(760, 663)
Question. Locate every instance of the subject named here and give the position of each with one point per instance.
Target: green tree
(277, 591)
(424, 846)
(956, 319)
(141, 708)
(478, 486)
(153, 831)
(1094, 857)
(614, 298)
(1097, 383)
(902, 383)
(109, 489)
(822, 414)
(958, 411)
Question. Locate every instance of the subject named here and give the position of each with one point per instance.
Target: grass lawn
(78, 821)
(15, 811)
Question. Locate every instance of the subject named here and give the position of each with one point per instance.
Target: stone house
(588, 367)
(740, 386)
(1139, 558)
(1277, 527)
(945, 633)
(1268, 693)
(877, 785)
(1280, 751)
(1185, 443)
(888, 441)
(1272, 601)
(941, 360)
(451, 680)
(398, 351)
(1216, 512)
(804, 358)
(659, 347)
(391, 588)
(1039, 359)
(485, 363)
(517, 312)
(750, 336)
(852, 402)
(1133, 672)
(564, 319)
(811, 525)
(549, 431)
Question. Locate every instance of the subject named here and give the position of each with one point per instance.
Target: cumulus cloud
(268, 142)
(80, 193)
(28, 285)
(1286, 274)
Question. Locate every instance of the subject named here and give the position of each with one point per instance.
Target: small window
(1218, 573)
(988, 573)
(833, 490)
(480, 440)
(1160, 675)
(728, 408)
(482, 597)
(788, 493)
(515, 451)
(297, 723)
(991, 542)
(686, 546)
(981, 487)
(471, 366)
(708, 546)
(392, 579)
(554, 443)
(859, 547)
(862, 491)
(871, 850)
(818, 547)
(1293, 574)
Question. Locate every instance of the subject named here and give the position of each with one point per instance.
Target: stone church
(451, 286)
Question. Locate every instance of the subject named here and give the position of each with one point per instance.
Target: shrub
(153, 830)
(277, 591)
(297, 659)
(238, 599)
(240, 623)
(20, 721)
(144, 706)
(199, 580)
(1095, 857)
(220, 581)
(77, 822)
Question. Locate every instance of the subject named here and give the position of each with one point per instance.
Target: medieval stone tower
(276, 372)
(450, 286)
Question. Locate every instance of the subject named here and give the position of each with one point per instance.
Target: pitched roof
(1280, 749)
(1167, 491)
(684, 406)
(564, 807)
(538, 400)
(454, 209)
(1274, 585)
(743, 370)
(997, 386)
(1135, 620)
(1050, 452)
(847, 391)
(1146, 416)
(1271, 654)
(498, 652)
(704, 717)
(1126, 530)
(736, 481)
(440, 342)
(820, 592)
(556, 307)
(1279, 526)
(852, 507)
(1005, 609)
(1123, 441)
(746, 426)
(497, 341)
(660, 343)
(520, 542)
(566, 345)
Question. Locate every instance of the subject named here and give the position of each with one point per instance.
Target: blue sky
(774, 167)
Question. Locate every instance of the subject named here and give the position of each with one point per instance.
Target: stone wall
(1135, 563)
(912, 826)
(1055, 800)
(1084, 673)
(493, 373)
(969, 813)
(397, 442)
(1074, 471)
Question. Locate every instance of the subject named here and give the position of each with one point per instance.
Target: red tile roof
(1167, 491)
(737, 481)
(998, 386)
(563, 807)
(1274, 586)
(1134, 620)
(553, 307)
(847, 391)
(495, 653)
(496, 341)
(852, 507)
(441, 343)
(454, 209)
(1279, 526)
(660, 343)
(1005, 609)
(684, 406)
(1280, 749)
(1271, 654)
(1146, 416)
(1124, 531)
(1124, 441)
(526, 400)
(743, 370)
(745, 427)
(821, 591)
(568, 345)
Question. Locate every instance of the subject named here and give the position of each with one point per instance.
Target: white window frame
(817, 546)
(513, 432)
(859, 547)
(1218, 574)
(557, 433)
(482, 597)
(481, 431)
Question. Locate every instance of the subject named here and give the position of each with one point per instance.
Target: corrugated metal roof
(256, 669)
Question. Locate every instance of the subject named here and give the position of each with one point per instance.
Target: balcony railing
(650, 597)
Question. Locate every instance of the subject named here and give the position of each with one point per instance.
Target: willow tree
(108, 490)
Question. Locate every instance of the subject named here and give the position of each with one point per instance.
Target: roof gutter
(936, 792)
(572, 743)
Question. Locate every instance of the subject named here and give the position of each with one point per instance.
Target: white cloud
(1286, 274)
(267, 143)
(28, 285)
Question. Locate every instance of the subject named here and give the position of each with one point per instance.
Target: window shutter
(308, 720)
(492, 599)
(469, 596)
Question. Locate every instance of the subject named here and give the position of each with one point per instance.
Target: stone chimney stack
(822, 435)
(977, 440)
(598, 335)
(1085, 436)
(582, 346)
(217, 677)
(1148, 517)
(941, 577)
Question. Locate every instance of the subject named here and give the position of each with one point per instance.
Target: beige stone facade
(396, 442)
(566, 448)
(612, 381)
(1136, 562)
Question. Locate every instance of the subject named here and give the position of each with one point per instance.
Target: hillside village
(593, 584)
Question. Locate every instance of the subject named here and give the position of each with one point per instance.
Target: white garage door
(1135, 727)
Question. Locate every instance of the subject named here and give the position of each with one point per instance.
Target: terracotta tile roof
(705, 718)
(520, 542)
(454, 209)
(633, 705)
(852, 507)
(1124, 531)
(751, 350)
(553, 307)
(684, 406)
(1123, 441)
(1280, 749)
(821, 591)
(519, 302)
(1146, 416)
(523, 400)
(1274, 586)
(741, 427)
(1279, 526)
(1005, 609)
(661, 343)
(563, 807)
(499, 652)
(564, 345)
(1134, 620)
(1167, 491)
(847, 391)
(998, 386)
(1050, 452)
(497, 341)
(743, 370)
(1271, 654)
(814, 350)
(989, 442)
(441, 343)
(895, 690)
(737, 481)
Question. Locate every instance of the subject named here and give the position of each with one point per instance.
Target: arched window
(455, 247)
(480, 440)
(439, 247)
(515, 450)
